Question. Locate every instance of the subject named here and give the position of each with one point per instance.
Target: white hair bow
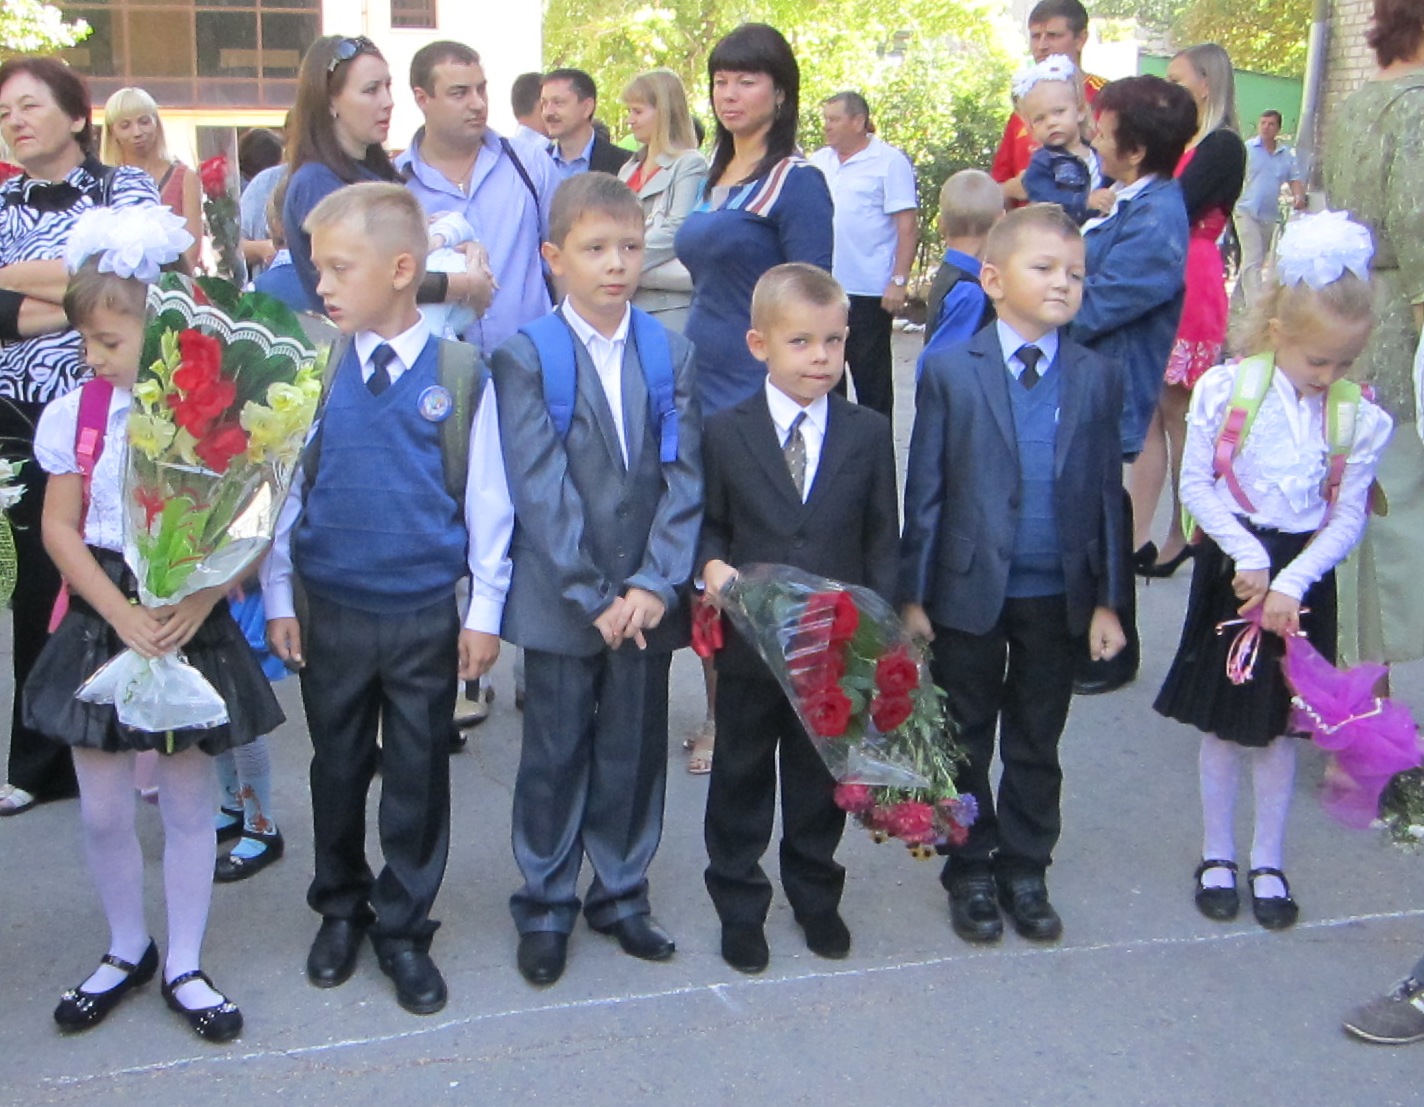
(1317, 249)
(1055, 67)
(131, 241)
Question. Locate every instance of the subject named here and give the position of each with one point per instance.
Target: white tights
(1272, 782)
(186, 787)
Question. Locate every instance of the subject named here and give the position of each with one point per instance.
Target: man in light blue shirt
(568, 100)
(503, 187)
(1269, 165)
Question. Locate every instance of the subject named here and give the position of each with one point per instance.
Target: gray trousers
(592, 774)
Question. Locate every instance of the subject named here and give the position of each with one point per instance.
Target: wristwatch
(898, 281)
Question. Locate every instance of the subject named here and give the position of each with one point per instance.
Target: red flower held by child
(816, 672)
(828, 710)
(213, 174)
(203, 393)
(911, 822)
(855, 798)
(834, 614)
(220, 445)
(890, 712)
(896, 674)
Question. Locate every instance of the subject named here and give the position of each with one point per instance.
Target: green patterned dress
(1374, 169)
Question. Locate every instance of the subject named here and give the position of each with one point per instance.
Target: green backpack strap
(1248, 391)
(462, 373)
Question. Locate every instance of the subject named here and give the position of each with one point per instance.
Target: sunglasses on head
(349, 48)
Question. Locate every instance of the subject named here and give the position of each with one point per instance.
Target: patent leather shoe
(1025, 898)
(230, 868)
(1272, 912)
(972, 910)
(332, 959)
(222, 1022)
(640, 936)
(79, 1010)
(420, 988)
(1219, 904)
(542, 955)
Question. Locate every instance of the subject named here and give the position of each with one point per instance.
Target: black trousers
(396, 673)
(756, 726)
(868, 355)
(1016, 680)
(39, 765)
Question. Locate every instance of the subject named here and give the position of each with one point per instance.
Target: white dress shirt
(1281, 467)
(869, 188)
(813, 428)
(489, 512)
(54, 450)
(607, 357)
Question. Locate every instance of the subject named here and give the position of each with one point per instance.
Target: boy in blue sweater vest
(378, 541)
(602, 448)
(1012, 561)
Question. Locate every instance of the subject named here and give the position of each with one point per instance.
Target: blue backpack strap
(554, 343)
(651, 338)
(558, 364)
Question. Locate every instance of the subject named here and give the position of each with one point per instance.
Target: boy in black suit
(794, 475)
(1013, 553)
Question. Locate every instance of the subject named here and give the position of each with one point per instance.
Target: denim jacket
(1132, 297)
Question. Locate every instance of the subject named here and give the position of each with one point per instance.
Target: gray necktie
(380, 378)
(1030, 356)
(794, 451)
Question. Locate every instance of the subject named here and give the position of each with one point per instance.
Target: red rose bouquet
(861, 687)
(220, 208)
(227, 390)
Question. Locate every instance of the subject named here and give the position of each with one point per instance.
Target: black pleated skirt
(84, 641)
(1197, 690)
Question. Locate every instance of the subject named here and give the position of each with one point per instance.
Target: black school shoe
(79, 1010)
(745, 948)
(1025, 898)
(1220, 904)
(420, 988)
(973, 912)
(1273, 912)
(221, 1022)
(827, 935)
(542, 956)
(229, 869)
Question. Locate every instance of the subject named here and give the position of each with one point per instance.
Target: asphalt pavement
(1142, 1002)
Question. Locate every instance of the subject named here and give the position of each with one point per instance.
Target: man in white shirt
(1269, 165)
(873, 186)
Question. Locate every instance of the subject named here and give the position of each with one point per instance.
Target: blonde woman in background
(668, 173)
(133, 135)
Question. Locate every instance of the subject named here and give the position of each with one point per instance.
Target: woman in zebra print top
(44, 121)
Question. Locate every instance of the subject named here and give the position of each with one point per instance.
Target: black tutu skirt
(1197, 690)
(84, 641)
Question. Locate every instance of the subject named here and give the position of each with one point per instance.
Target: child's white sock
(1219, 765)
(1273, 781)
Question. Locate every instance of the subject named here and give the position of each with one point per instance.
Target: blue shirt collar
(1010, 340)
(960, 260)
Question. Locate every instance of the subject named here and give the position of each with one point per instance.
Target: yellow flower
(148, 393)
(289, 400)
(150, 434)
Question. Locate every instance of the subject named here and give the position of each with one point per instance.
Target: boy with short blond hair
(970, 203)
(377, 537)
(1013, 561)
(796, 476)
(603, 454)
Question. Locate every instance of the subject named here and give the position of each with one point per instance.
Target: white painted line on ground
(721, 990)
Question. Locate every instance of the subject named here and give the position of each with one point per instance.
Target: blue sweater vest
(1037, 565)
(380, 532)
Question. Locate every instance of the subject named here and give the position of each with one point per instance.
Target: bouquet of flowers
(10, 493)
(226, 394)
(861, 687)
(220, 207)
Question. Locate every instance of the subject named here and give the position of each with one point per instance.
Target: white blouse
(54, 448)
(1281, 468)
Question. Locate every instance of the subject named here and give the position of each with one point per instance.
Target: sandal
(699, 763)
(220, 1023)
(1220, 904)
(1273, 912)
(14, 800)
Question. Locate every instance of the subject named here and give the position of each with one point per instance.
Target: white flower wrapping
(133, 241)
(1319, 249)
(11, 490)
(1055, 67)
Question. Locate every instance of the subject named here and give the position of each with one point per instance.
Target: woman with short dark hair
(44, 122)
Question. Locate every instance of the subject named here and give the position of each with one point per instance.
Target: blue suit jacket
(1132, 298)
(587, 527)
(962, 486)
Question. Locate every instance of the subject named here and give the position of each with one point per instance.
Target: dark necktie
(795, 454)
(1030, 356)
(380, 379)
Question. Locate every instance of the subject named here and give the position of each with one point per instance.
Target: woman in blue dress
(764, 205)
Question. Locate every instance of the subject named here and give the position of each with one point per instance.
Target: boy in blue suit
(603, 453)
(1012, 559)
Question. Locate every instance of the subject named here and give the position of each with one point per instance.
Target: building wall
(1349, 60)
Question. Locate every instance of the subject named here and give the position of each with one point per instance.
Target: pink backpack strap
(93, 421)
(1224, 459)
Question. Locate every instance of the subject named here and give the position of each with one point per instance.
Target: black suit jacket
(606, 157)
(962, 485)
(848, 528)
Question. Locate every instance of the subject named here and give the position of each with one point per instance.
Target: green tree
(33, 27)
(935, 71)
(1263, 36)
